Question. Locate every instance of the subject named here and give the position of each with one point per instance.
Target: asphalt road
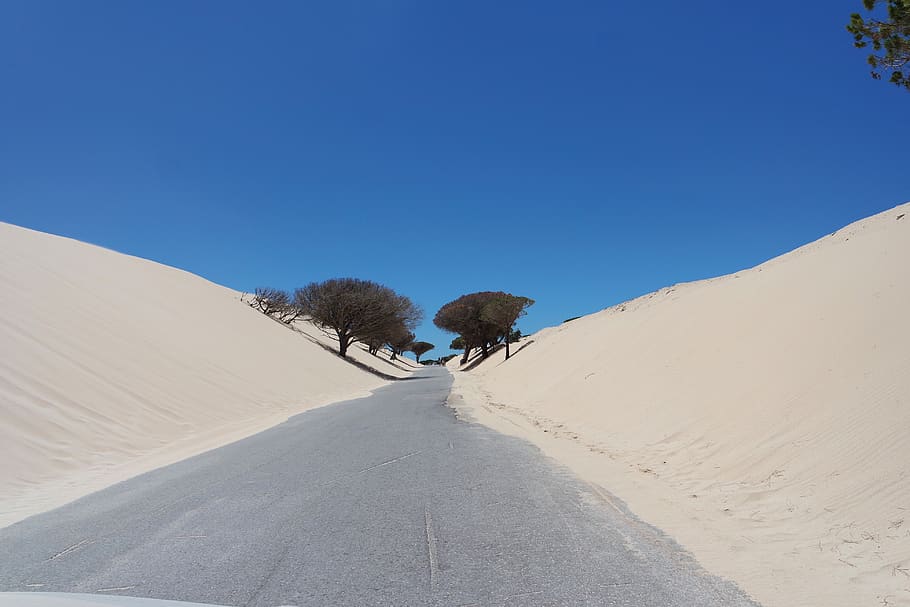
(387, 500)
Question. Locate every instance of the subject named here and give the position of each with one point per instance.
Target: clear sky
(579, 153)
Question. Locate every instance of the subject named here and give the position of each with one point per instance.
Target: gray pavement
(387, 500)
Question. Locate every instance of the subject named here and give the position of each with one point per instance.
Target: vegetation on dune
(462, 317)
(503, 311)
(482, 320)
(888, 35)
(373, 314)
(355, 310)
(276, 303)
(399, 340)
(359, 311)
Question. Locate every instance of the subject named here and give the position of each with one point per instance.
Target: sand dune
(761, 418)
(112, 365)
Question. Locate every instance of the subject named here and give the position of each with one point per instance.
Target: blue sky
(580, 153)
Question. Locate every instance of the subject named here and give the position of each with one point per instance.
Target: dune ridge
(761, 418)
(112, 365)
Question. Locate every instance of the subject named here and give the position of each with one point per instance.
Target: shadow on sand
(475, 360)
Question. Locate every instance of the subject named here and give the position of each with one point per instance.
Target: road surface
(387, 500)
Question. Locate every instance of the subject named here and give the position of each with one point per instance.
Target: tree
(481, 319)
(462, 316)
(889, 39)
(457, 343)
(502, 311)
(374, 344)
(419, 348)
(356, 310)
(268, 300)
(276, 303)
(399, 341)
(397, 335)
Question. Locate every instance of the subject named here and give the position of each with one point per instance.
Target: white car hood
(64, 599)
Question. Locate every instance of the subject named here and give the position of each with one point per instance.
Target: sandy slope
(761, 418)
(112, 365)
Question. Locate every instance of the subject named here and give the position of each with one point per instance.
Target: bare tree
(269, 301)
(398, 334)
(277, 304)
(356, 310)
(289, 313)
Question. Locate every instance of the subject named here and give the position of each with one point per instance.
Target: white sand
(761, 418)
(112, 365)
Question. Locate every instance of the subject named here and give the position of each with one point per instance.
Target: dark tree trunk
(484, 349)
(467, 352)
(343, 343)
(509, 330)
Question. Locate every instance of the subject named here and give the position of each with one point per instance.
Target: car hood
(65, 599)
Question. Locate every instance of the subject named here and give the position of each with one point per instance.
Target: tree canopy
(357, 310)
(399, 340)
(463, 317)
(889, 38)
(419, 348)
(482, 319)
(502, 311)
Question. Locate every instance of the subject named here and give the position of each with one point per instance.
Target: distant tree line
(438, 361)
(355, 310)
(482, 320)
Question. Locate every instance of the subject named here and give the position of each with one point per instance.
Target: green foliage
(457, 343)
(888, 38)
